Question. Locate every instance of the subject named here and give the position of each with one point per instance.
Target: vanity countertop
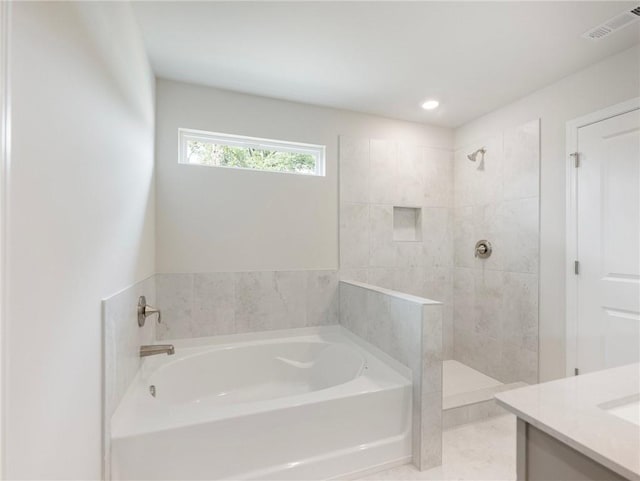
(594, 413)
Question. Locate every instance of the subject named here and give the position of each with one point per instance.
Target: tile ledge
(392, 293)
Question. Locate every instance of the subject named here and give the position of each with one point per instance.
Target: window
(235, 151)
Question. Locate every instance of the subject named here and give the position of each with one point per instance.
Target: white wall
(611, 81)
(81, 222)
(213, 219)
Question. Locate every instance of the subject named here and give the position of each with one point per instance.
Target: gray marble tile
(489, 288)
(175, 300)
(464, 187)
(382, 277)
(410, 254)
(490, 223)
(382, 250)
(488, 173)
(437, 235)
(479, 182)
(411, 280)
(405, 319)
(379, 322)
(270, 300)
(122, 338)
(520, 310)
(354, 274)
(354, 235)
(519, 365)
(431, 448)
(213, 305)
(438, 188)
(521, 235)
(464, 237)
(439, 285)
(383, 172)
(522, 161)
(448, 337)
(353, 148)
(412, 334)
(354, 169)
(464, 299)
(432, 333)
(321, 298)
(411, 173)
(353, 309)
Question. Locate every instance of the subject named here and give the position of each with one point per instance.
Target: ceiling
(383, 58)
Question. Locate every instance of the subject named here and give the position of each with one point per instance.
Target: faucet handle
(145, 310)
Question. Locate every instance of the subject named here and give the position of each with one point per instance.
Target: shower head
(474, 156)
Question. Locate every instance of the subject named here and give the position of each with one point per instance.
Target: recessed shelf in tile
(407, 224)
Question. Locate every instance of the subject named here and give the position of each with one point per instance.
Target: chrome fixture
(145, 310)
(474, 156)
(483, 249)
(155, 349)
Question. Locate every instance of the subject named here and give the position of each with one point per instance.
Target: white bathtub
(299, 404)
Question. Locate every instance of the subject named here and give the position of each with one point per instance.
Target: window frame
(243, 141)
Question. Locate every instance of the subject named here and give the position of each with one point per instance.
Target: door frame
(5, 126)
(5, 13)
(571, 296)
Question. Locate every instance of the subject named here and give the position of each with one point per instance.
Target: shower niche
(407, 224)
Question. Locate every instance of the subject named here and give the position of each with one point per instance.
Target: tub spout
(154, 349)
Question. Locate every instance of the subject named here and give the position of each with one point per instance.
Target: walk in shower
(457, 227)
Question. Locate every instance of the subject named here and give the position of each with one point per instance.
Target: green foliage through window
(207, 153)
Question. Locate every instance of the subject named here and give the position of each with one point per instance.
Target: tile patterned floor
(484, 451)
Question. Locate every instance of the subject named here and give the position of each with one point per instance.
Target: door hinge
(576, 371)
(576, 159)
(576, 267)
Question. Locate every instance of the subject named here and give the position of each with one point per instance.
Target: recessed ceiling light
(430, 104)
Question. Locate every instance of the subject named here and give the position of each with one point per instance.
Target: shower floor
(459, 378)
(467, 394)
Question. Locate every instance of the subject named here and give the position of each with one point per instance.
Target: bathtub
(313, 403)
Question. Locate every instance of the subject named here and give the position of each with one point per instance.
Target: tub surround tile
(175, 301)
(208, 304)
(213, 298)
(322, 298)
(410, 330)
(122, 338)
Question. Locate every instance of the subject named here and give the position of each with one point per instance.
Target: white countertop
(571, 410)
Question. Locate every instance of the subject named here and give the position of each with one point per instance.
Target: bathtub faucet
(154, 349)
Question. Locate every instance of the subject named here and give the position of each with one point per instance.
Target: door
(608, 243)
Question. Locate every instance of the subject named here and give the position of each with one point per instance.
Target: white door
(608, 243)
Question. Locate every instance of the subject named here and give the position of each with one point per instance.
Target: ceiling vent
(613, 24)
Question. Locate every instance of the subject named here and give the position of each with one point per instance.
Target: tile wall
(376, 176)
(495, 313)
(409, 330)
(211, 304)
(122, 339)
